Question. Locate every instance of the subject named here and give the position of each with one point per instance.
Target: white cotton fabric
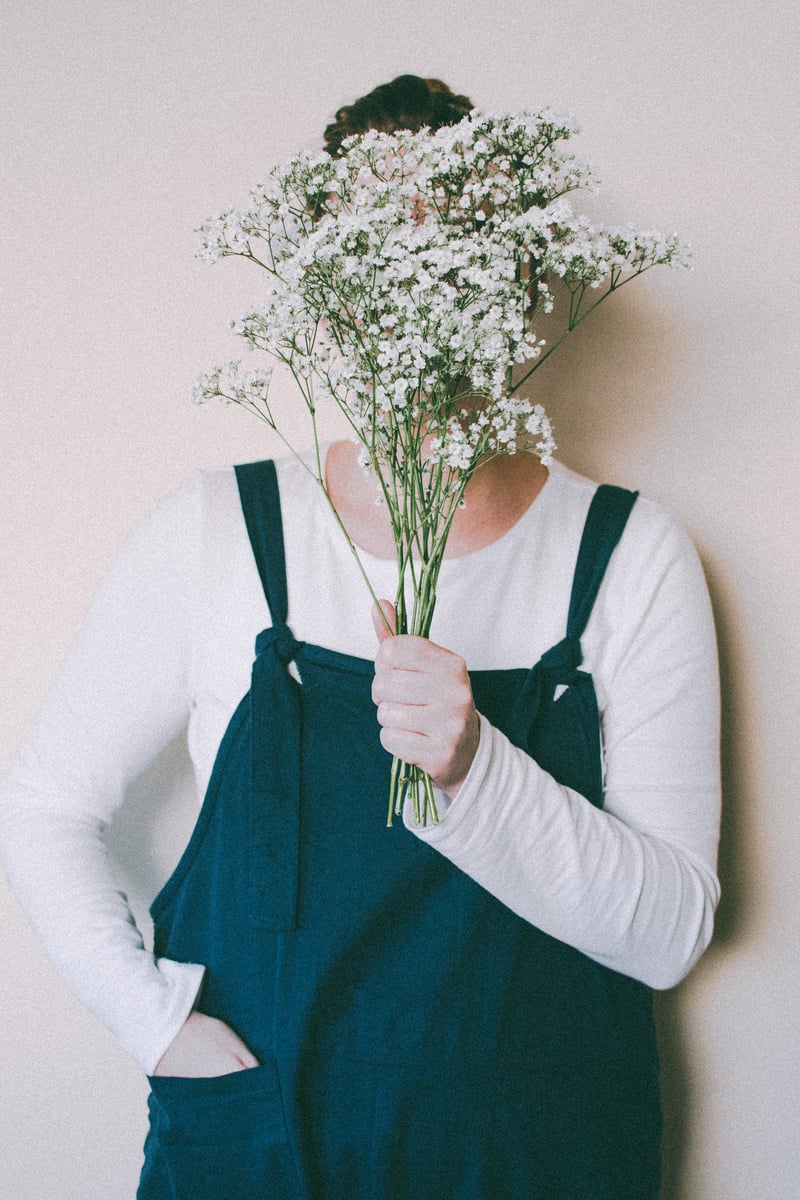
(167, 644)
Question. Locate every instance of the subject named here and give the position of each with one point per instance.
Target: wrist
(466, 757)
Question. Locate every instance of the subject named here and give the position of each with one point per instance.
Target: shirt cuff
(182, 983)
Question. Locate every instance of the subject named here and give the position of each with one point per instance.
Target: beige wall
(131, 122)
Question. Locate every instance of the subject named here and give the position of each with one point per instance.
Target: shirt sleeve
(632, 885)
(120, 696)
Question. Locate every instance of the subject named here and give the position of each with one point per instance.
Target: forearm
(636, 900)
(60, 870)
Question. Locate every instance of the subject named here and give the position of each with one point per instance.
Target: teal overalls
(418, 1040)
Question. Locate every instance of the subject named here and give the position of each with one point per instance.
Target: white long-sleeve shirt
(167, 644)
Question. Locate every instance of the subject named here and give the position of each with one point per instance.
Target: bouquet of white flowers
(404, 282)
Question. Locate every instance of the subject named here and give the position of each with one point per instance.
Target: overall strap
(605, 521)
(275, 717)
(261, 505)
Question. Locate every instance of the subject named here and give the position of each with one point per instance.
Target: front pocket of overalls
(224, 1138)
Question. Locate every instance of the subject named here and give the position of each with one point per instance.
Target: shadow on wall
(736, 877)
(608, 388)
(736, 866)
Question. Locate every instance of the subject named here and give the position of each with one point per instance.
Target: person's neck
(498, 494)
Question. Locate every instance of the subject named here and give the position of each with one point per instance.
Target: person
(334, 1009)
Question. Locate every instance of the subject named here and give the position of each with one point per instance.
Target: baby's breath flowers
(405, 282)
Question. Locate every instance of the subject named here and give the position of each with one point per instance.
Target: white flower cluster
(232, 385)
(408, 274)
(405, 281)
(468, 434)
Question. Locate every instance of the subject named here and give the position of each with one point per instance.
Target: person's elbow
(691, 931)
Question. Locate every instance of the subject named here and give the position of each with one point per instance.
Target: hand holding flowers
(425, 707)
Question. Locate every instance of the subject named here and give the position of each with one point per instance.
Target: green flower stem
(577, 318)
(408, 780)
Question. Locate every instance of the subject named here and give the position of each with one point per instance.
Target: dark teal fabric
(419, 1041)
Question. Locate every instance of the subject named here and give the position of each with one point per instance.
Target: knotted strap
(275, 716)
(552, 728)
(275, 782)
(558, 665)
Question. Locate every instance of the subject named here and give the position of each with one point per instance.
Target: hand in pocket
(205, 1047)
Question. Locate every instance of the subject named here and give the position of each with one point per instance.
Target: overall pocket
(223, 1138)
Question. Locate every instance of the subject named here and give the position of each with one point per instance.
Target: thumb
(383, 620)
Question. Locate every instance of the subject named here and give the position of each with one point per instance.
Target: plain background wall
(126, 124)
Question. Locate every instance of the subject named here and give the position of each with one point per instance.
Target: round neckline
(383, 561)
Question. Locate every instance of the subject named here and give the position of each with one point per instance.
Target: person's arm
(633, 885)
(119, 698)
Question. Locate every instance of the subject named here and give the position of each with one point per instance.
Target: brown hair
(408, 102)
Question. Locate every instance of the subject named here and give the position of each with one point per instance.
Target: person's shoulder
(653, 544)
(173, 529)
(198, 486)
(180, 513)
(650, 523)
(655, 534)
(208, 497)
(294, 471)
